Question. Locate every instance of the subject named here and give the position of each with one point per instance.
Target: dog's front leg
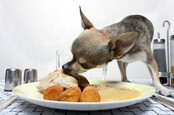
(153, 69)
(122, 66)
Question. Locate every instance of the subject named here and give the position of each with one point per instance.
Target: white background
(32, 30)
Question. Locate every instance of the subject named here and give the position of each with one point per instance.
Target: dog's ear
(86, 24)
(123, 43)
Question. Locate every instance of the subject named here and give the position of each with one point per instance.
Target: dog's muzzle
(65, 68)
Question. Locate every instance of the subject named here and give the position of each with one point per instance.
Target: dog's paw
(126, 81)
(166, 92)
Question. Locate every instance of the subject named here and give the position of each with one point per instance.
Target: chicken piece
(71, 95)
(53, 92)
(90, 94)
(65, 80)
(57, 77)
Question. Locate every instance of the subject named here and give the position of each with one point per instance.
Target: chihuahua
(127, 41)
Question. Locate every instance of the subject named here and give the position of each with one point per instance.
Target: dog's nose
(65, 68)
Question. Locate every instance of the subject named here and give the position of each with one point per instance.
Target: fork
(7, 102)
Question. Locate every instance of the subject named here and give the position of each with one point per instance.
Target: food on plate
(53, 92)
(90, 94)
(71, 95)
(82, 81)
(95, 93)
(110, 93)
(53, 85)
(59, 77)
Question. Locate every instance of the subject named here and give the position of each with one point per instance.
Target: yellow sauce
(111, 93)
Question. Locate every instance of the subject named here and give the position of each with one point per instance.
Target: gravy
(111, 93)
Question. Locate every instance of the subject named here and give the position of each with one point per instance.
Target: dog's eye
(85, 66)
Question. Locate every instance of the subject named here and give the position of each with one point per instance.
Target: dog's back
(133, 23)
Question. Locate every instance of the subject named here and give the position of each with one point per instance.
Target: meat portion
(71, 95)
(59, 77)
(90, 94)
(53, 92)
(82, 81)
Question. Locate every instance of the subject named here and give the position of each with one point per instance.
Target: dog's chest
(141, 56)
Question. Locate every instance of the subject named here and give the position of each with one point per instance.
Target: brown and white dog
(127, 41)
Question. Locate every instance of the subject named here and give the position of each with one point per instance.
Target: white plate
(30, 93)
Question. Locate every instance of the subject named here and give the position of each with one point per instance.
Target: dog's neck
(113, 30)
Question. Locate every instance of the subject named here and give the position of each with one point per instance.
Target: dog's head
(93, 48)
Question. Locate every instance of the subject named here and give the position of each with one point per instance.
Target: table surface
(20, 107)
